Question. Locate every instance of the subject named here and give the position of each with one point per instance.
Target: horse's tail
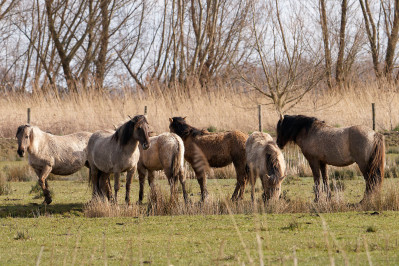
(376, 164)
(177, 159)
(200, 162)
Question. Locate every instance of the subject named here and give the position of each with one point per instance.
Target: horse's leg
(264, 186)
(45, 171)
(183, 184)
(201, 178)
(116, 186)
(326, 187)
(151, 183)
(315, 166)
(94, 182)
(142, 174)
(241, 181)
(105, 185)
(129, 177)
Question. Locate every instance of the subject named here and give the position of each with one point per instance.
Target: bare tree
(392, 39)
(286, 72)
(339, 72)
(325, 34)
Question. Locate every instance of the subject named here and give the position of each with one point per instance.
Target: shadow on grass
(33, 210)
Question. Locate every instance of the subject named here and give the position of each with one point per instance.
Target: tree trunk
(391, 46)
(327, 52)
(339, 72)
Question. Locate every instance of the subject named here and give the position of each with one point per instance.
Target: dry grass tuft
(5, 188)
(160, 203)
(19, 173)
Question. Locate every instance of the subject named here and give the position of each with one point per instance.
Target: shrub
(20, 174)
(21, 235)
(345, 173)
(371, 229)
(5, 188)
(337, 185)
(391, 172)
(393, 149)
(212, 129)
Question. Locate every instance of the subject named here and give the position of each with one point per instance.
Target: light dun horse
(166, 153)
(322, 144)
(220, 149)
(115, 153)
(47, 153)
(265, 160)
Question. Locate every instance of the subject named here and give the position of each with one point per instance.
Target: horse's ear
(170, 120)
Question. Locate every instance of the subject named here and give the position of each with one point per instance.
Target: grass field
(61, 234)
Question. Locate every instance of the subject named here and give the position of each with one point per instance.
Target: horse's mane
(291, 125)
(124, 133)
(181, 128)
(272, 161)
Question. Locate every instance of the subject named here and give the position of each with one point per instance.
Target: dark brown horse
(322, 144)
(220, 149)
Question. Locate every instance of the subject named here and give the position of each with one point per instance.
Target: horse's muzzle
(21, 153)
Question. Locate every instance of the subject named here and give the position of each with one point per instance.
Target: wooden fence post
(373, 113)
(28, 116)
(145, 110)
(260, 117)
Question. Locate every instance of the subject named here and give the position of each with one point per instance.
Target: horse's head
(178, 126)
(25, 139)
(141, 131)
(276, 171)
(135, 129)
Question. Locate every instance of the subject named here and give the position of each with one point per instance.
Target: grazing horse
(47, 153)
(166, 153)
(265, 160)
(115, 153)
(322, 144)
(220, 149)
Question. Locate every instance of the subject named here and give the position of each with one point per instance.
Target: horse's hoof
(47, 201)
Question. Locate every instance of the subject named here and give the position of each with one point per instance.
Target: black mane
(20, 128)
(289, 128)
(183, 130)
(124, 133)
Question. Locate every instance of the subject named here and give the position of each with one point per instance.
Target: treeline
(282, 48)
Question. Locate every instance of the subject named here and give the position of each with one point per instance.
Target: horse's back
(223, 148)
(256, 148)
(163, 149)
(68, 152)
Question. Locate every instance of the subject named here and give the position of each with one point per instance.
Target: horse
(166, 153)
(322, 144)
(47, 153)
(265, 160)
(116, 152)
(220, 149)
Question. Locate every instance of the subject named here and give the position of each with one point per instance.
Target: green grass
(61, 234)
(182, 240)
(67, 236)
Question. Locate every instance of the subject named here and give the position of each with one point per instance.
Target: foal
(166, 153)
(265, 160)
